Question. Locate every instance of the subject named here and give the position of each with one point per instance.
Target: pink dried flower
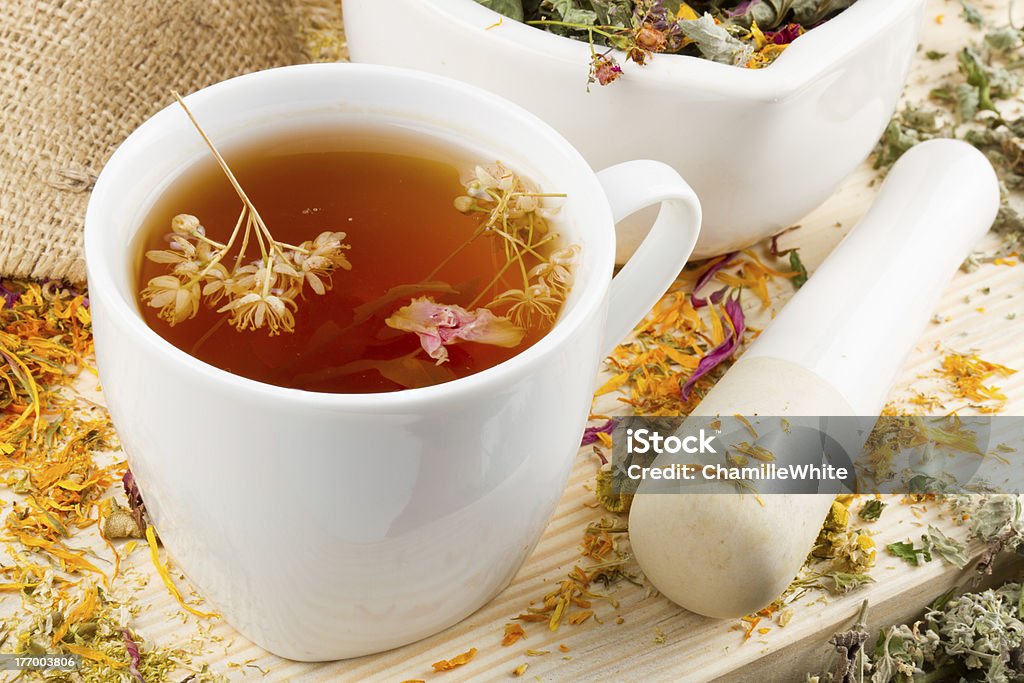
(716, 297)
(605, 70)
(590, 433)
(723, 351)
(441, 325)
(131, 490)
(133, 654)
(713, 270)
(785, 35)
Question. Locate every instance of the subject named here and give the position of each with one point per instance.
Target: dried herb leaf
(1003, 39)
(948, 549)
(871, 510)
(714, 42)
(768, 14)
(796, 265)
(906, 551)
(812, 12)
(974, 70)
(569, 12)
(615, 12)
(971, 14)
(513, 9)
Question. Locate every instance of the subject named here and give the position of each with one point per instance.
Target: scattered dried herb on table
(651, 371)
(650, 368)
(971, 637)
(54, 460)
(71, 601)
(455, 662)
(675, 356)
(751, 33)
(978, 104)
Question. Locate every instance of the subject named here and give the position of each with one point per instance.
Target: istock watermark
(650, 441)
(817, 454)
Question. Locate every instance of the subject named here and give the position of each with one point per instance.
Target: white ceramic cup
(326, 526)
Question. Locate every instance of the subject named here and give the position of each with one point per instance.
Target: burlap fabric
(77, 76)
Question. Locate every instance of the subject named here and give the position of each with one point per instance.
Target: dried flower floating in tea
(512, 212)
(751, 33)
(260, 293)
(439, 325)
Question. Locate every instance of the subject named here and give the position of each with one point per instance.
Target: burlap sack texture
(77, 76)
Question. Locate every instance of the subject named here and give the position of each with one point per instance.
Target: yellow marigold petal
(166, 577)
(612, 384)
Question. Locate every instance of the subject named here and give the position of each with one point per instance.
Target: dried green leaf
(948, 549)
(971, 14)
(871, 510)
(844, 582)
(906, 129)
(974, 70)
(795, 264)
(769, 14)
(982, 633)
(714, 42)
(569, 12)
(613, 12)
(1003, 39)
(901, 653)
(811, 12)
(906, 551)
(513, 9)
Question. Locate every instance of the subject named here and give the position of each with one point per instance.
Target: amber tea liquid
(392, 193)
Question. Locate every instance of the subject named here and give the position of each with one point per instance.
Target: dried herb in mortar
(751, 33)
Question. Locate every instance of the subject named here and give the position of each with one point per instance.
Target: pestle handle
(858, 317)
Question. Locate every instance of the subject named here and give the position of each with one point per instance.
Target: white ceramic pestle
(835, 349)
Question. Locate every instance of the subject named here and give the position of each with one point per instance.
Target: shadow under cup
(327, 526)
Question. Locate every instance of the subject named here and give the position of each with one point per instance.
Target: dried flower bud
(121, 523)
(637, 55)
(463, 204)
(182, 244)
(650, 39)
(566, 256)
(485, 180)
(527, 203)
(178, 301)
(184, 224)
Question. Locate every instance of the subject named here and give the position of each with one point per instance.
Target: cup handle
(652, 269)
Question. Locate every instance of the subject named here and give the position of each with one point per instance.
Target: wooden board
(657, 640)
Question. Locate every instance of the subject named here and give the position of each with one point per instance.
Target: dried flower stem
(257, 219)
(260, 294)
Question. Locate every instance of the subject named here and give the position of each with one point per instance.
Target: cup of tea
(332, 521)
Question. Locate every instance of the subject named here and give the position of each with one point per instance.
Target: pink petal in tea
(440, 325)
